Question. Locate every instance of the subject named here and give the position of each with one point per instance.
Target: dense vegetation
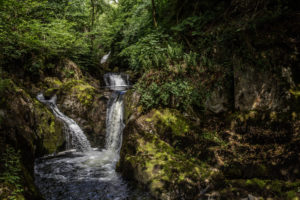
(179, 41)
(171, 38)
(181, 55)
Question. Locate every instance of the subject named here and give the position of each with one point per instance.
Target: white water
(89, 175)
(116, 82)
(75, 137)
(114, 116)
(105, 58)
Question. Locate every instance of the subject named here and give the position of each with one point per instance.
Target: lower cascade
(75, 137)
(82, 172)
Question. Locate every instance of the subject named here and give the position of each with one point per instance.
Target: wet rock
(80, 98)
(132, 108)
(87, 106)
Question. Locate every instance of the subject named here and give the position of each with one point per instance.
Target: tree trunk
(154, 14)
(92, 21)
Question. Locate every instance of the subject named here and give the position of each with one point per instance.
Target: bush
(178, 94)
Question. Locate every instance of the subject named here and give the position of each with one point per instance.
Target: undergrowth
(11, 182)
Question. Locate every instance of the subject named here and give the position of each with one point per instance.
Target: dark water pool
(91, 175)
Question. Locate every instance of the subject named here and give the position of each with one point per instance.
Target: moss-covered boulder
(167, 172)
(79, 97)
(86, 105)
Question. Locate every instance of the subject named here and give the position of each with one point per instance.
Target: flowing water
(84, 173)
(75, 137)
(105, 58)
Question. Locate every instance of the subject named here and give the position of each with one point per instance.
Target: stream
(82, 172)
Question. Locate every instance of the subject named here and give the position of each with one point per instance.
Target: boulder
(218, 101)
(259, 90)
(166, 171)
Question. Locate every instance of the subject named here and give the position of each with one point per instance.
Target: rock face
(230, 156)
(149, 155)
(253, 89)
(260, 90)
(80, 98)
(27, 126)
(167, 172)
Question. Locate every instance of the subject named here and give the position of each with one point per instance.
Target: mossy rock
(167, 172)
(83, 91)
(131, 104)
(52, 82)
(48, 128)
(169, 119)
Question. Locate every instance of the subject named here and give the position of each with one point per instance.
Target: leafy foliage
(176, 94)
(186, 40)
(33, 32)
(11, 170)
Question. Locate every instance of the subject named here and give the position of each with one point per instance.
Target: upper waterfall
(116, 82)
(75, 137)
(114, 117)
(105, 58)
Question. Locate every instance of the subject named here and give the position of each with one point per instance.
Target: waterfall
(88, 173)
(105, 58)
(75, 137)
(115, 110)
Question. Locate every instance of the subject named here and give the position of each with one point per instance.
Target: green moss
(171, 119)
(244, 116)
(276, 188)
(161, 167)
(212, 136)
(86, 98)
(52, 82)
(296, 93)
(67, 86)
(292, 195)
(50, 92)
(256, 183)
(48, 129)
(83, 91)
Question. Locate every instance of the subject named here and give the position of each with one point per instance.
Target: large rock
(166, 171)
(87, 106)
(218, 101)
(259, 90)
(80, 98)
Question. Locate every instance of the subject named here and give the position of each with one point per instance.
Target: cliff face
(28, 129)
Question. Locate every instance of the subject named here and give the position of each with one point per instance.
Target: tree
(154, 13)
